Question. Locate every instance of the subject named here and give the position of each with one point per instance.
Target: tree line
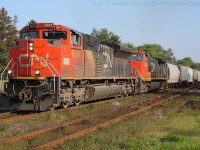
(9, 36)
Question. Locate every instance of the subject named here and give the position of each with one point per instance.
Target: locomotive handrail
(54, 69)
(54, 75)
(136, 72)
(5, 69)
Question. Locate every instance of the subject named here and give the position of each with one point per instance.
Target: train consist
(56, 66)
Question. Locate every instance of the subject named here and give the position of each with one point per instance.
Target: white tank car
(173, 73)
(195, 75)
(190, 74)
(198, 78)
(183, 73)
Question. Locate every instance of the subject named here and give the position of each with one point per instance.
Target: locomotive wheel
(51, 108)
(64, 105)
(77, 103)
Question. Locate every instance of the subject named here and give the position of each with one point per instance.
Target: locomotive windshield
(54, 35)
(138, 57)
(29, 35)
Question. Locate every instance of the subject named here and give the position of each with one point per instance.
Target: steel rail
(78, 134)
(15, 118)
(44, 130)
(24, 117)
(136, 111)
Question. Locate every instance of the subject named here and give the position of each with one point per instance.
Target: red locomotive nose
(32, 58)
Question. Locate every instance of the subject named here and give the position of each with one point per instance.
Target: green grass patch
(171, 138)
(169, 127)
(4, 128)
(197, 98)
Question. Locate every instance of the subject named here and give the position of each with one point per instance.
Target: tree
(130, 45)
(187, 61)
(31, 22)
(105, 35)
(154, 49)
(196, 66)
(8, 35)
(168, 55)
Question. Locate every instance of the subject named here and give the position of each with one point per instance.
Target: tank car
(195, 75)
(173, 74)
(190, 75)
(183, 75)
(198, 77)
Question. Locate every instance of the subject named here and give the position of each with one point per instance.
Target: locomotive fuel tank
(154, 86)
(101, 92)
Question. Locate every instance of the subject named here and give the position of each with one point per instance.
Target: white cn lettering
(32, 57)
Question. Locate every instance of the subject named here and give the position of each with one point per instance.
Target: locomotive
(57, 66)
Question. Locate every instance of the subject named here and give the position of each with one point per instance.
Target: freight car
(196, 76)
(54, 65)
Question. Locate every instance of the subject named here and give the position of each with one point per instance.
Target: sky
(173, 24)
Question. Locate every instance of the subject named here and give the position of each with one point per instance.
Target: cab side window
(75, 39)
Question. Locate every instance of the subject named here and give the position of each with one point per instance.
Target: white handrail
(54, 87)
(5, 69)
(54, 69)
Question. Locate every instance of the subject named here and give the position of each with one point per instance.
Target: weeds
(171, 138)
(3, 128)
(159, 129)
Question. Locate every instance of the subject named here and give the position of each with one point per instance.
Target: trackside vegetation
(171, 126)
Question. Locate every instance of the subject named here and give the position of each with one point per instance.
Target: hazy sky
(173, 24)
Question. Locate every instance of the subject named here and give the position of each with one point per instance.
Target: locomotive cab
(139, 60)
(44, 53)
(150, 70)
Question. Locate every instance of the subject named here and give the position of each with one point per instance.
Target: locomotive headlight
(9, 72)
(37, 72)
(31, 46)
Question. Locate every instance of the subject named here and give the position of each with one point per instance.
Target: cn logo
(25, 60)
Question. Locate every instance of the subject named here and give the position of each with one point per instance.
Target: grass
(169, 127)
(166, 128)
(197, 98)
(56, 118)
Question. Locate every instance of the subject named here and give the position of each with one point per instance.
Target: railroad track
(14, 118)
(146, 105)
(40, 131)
(11, 117)
(106, 120)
